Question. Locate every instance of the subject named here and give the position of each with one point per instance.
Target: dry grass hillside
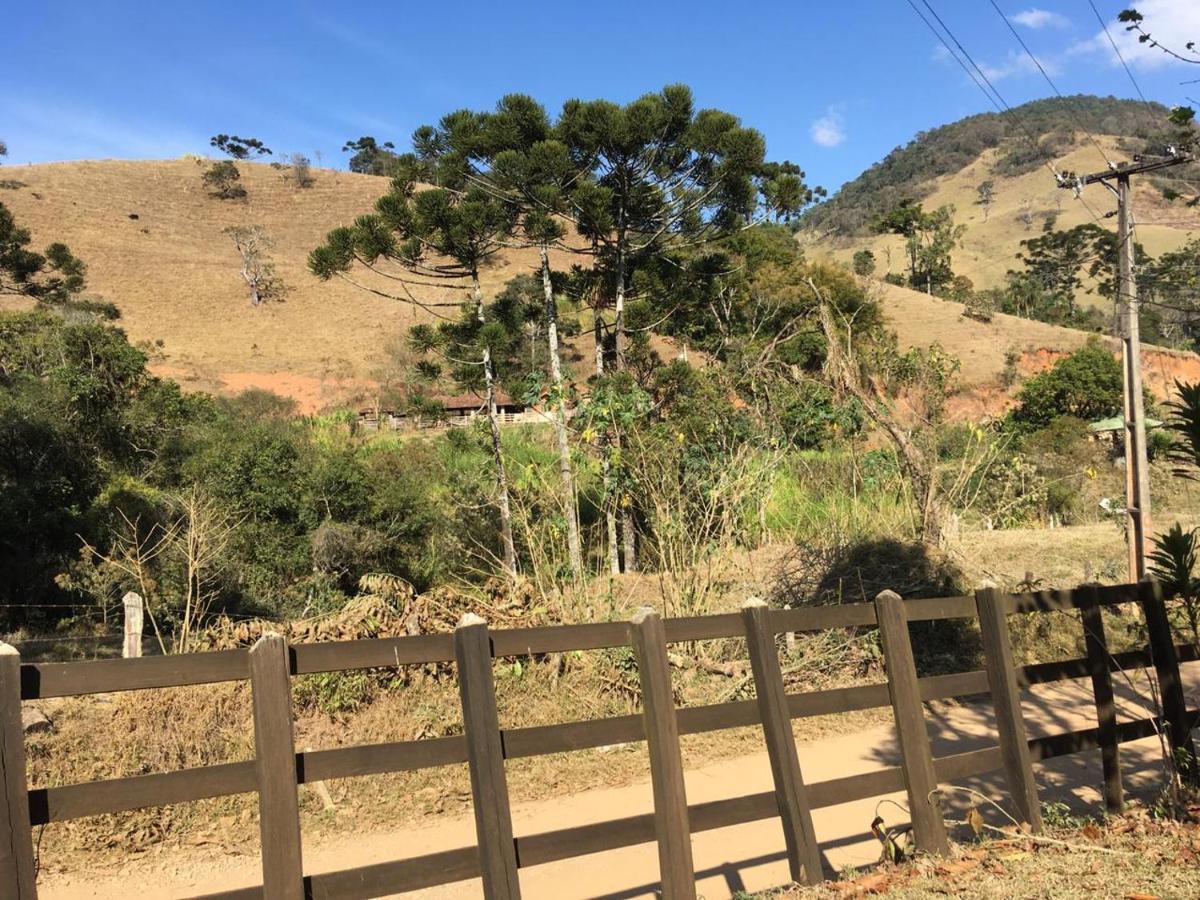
(153, 242)
(175, 278)
(989, 247)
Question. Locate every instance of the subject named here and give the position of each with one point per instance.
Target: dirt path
(744, 857)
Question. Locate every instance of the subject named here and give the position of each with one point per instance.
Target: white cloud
(1040, 18)
(1017, 64)
(1173, 22)
(829, 130)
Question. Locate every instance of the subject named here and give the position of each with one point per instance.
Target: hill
(945, 165)
(152, 239)
(175, 278)
(984, 348)
(908, 171)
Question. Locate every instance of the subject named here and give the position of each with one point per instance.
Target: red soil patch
(1160, 368)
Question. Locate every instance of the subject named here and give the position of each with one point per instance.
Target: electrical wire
(1117, 50)
(1049, 81)
(998, 100)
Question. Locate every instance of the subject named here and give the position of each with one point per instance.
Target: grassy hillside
(153, 242)
(990, 245)
(1054, 123)
(175, 277)
(983, 347)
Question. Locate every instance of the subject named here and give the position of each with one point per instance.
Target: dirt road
(744, 857)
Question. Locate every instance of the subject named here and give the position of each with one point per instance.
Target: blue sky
(834, 86)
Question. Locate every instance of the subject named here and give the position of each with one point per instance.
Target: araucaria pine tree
(434, 238)
(662, 178)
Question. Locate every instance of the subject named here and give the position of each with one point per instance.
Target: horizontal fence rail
(62, 803)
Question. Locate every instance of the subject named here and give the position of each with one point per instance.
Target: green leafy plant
(1173, 563)
(1184, 423)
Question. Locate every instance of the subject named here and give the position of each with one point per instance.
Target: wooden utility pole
(1137, 470)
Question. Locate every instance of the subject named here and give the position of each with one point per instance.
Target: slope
(1022, 204)
(153, 242)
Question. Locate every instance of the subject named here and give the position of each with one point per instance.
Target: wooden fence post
(275, 768)
(16, 836)
(1170, 686)
(485, 759)
(1102, 689)
(920, 780)
(132, 648)
(649, 639)
(1006, 698)
(804, 856)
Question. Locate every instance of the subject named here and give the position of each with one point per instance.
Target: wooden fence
(278, 768)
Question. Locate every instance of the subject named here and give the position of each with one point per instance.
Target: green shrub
(1087, 384)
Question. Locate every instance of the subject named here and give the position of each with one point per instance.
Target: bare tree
(201, 537)
(258, 270)
(300, 170)
(844, 371)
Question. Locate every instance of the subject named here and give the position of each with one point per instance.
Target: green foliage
(929, 240)
(1183, 423)
(1173, 561)
(55, 276)
(239, 147)
(1173, 564)
(224, 180)
(1087, 384)
(864, 263)
(370, 157)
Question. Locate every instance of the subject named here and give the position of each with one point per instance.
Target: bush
(1087, 384)
(223, 180)
(300, 170)
(858, 571)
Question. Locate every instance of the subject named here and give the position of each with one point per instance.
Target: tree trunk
(619, 348)
(502, 501)
(574, 546)
(619, 299)
(630, 539)
(610, 517)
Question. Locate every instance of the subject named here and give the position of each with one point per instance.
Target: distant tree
(1170, 286)
(783, 191)
(664, 175)
(54, 276)
(929, 240)
(1025, 214)
(985, 194)
(224, 180)
(961, 288)
(1049, 286)
(370, 157)
(864, 263)
(300, 169)
(239, 147)
(258, 270)
(3, 149)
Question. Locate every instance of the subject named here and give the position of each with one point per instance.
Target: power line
(1045, 75)
(1117, 50)
(999, 101)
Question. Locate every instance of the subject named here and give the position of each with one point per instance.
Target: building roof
(1117, 423)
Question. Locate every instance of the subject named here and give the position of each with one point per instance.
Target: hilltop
(944, 166)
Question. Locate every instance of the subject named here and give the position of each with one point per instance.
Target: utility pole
(1137, 469)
